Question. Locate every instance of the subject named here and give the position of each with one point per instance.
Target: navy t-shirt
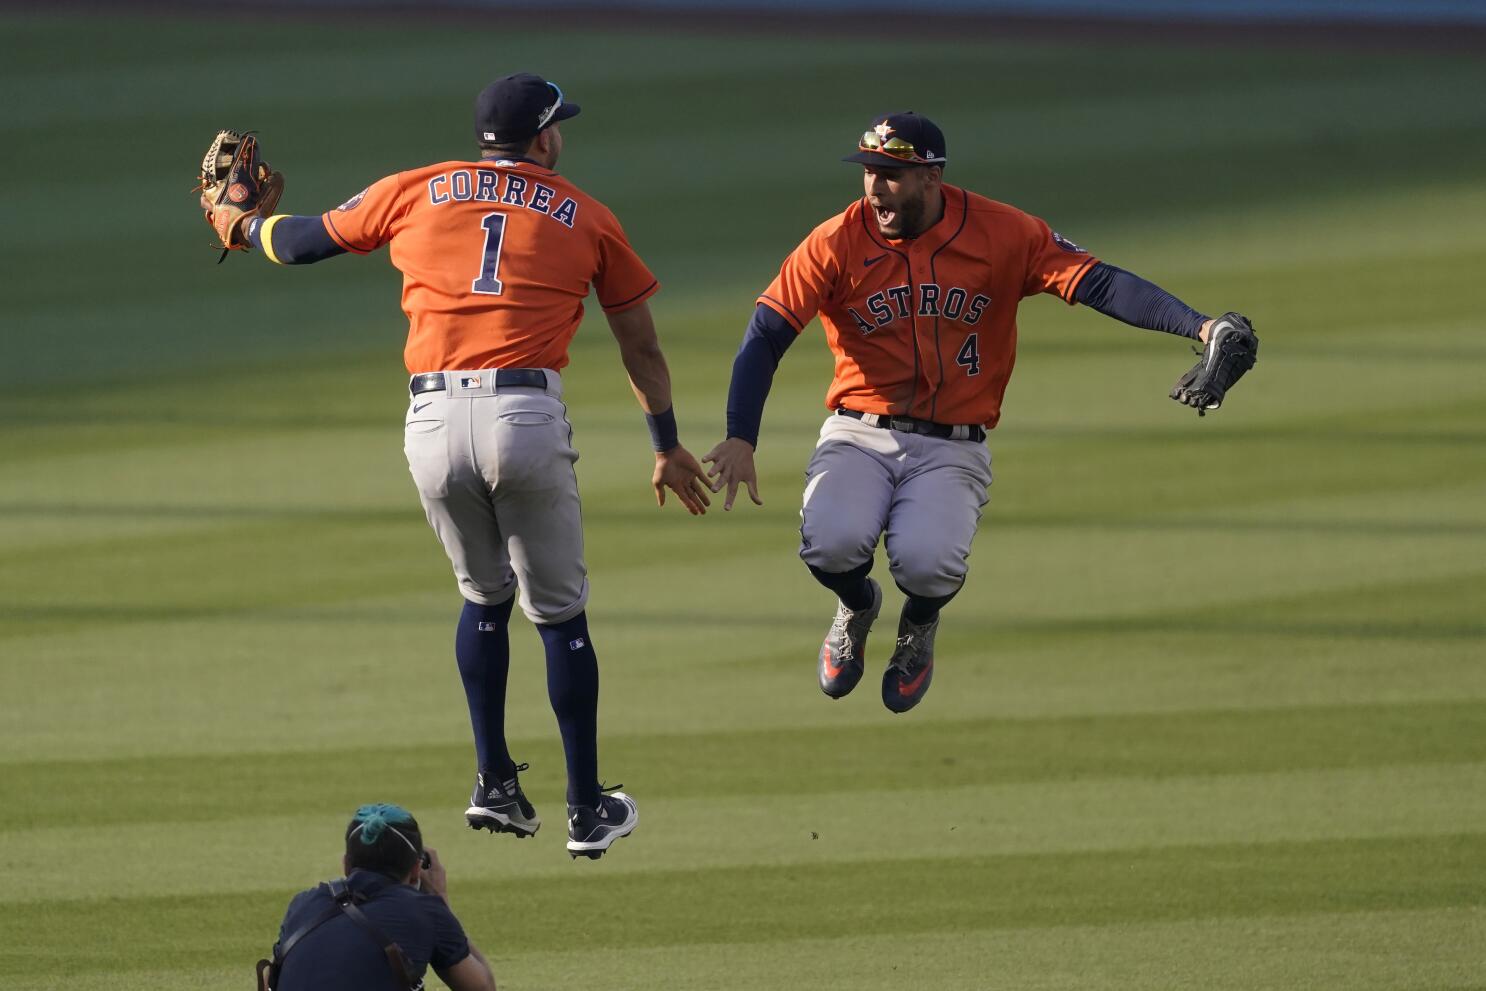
(341, 955)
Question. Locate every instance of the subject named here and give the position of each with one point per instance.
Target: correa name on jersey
(490, 186)
(886, 305)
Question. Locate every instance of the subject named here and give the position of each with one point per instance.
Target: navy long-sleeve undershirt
(1116, 293)
(768, 336)
(296, 240)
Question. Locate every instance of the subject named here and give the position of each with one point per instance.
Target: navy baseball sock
(483, 650)
(850, 586)
(573, 688)
(921, 609)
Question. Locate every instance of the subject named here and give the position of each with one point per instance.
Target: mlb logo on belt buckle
(469, 381)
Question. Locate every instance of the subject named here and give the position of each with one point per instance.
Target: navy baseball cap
(517, 107)
(900, 140)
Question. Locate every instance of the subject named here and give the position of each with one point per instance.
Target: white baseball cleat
(593, 829)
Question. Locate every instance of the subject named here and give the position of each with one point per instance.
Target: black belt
(505, 378)
(913, 425)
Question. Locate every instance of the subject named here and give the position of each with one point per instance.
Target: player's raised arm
(286, 239)
(239, 193)
(1231, 346)
(675, 467)
(1057, 265)
(358, 226)
(1131, 299)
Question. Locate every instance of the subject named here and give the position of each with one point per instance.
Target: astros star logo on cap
(883, 130)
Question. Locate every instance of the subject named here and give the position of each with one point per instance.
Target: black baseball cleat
(844, 652)
(911, 670)
(500, 806)
(591, 830)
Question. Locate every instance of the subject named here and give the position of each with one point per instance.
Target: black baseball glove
(1232, 348)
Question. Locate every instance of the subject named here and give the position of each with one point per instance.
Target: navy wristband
(663, 429)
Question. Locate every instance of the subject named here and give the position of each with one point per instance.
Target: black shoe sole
(839, 692)
(496, 826)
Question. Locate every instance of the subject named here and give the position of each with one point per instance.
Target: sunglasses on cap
(547, 114)
(894, 147)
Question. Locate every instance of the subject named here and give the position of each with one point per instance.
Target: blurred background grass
(1211, 711)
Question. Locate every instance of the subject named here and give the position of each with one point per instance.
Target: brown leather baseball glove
(236, 185)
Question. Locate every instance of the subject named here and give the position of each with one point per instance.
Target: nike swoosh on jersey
(866, 262)
(419, 409)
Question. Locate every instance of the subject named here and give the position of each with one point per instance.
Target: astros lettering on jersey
(925, 327)
(497, 257)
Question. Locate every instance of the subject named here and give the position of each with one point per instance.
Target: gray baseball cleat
(592, 829)
(844, 653)
(501, 807)
(911, 669)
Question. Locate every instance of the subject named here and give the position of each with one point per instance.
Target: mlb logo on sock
(578, 644)
(487, 627)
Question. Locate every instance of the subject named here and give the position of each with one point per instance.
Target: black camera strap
(345, 904)
(402, 968)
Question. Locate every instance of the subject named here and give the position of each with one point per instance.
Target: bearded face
(905, 201)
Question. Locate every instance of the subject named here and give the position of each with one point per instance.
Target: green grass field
(1210, 714)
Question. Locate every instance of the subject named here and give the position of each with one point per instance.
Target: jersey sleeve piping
(335, 235)
(634, 300)
(1068, 295)
(783, 311)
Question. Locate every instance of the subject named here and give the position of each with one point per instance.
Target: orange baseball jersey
(496, 257)
(925, 327)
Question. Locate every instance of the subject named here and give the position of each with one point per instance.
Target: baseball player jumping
(917, 285)
(497, 255)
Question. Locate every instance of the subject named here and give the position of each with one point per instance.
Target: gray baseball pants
(494, 470)
(924, 493)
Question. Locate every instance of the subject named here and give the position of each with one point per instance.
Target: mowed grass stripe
(1423, 950)
(914, 755)
(1361, 951)
(265, 852)
(163, 689)
(1421, 610)
(286, 563)
(760, 904)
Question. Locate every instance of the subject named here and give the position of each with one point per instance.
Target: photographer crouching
(379, 927)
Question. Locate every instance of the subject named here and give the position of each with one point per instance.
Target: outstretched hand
(732, 465)
(679, 471)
